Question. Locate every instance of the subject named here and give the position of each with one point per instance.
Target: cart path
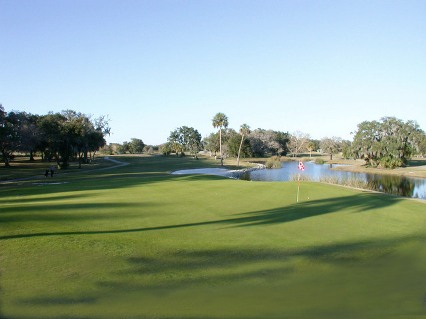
(119, 164)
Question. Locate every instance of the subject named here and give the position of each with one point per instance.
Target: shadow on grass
(372, 262)
(59, 301)
(357, 203)
(23, 199)
(53, 213)
(228, 265)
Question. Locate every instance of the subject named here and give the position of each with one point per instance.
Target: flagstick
(298, 187)
(301, 168)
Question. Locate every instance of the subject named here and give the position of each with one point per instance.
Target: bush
(390, 162)
(165, 149)
(319, 161)
(273, 162)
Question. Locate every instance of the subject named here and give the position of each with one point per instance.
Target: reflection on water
(397, 185)
(392, 185)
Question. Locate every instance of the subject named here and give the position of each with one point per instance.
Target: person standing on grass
(52, 170)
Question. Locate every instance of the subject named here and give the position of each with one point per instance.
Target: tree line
(60, 137)
(70, 135)
(227, 142)
(387, 143)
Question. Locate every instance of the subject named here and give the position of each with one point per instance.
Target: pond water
(397, 185)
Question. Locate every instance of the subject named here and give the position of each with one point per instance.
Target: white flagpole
(301, 167)
(298, 187)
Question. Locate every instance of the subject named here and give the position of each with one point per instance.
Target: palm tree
(220, 120)
(244, 131)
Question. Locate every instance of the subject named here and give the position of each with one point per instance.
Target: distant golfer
(52, 170)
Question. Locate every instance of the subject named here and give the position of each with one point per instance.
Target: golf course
(125, 238)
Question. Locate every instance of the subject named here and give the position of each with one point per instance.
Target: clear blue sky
(320, 67)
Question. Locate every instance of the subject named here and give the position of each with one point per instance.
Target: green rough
(137, 242)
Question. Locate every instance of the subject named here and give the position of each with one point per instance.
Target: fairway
(135, 241)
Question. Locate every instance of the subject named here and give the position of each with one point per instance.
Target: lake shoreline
(402, 181)
(410, 171)
(358, 166)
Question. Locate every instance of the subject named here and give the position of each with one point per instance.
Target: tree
(165, 149)
(270, 142)
(69, 134)
(230, 143)
(2, 113)
(97, 137)
(123, 148)
(422, 146)
(185, 139)
(136, 146)
(399, 141)
(63, 136)
(298, 142)
(280, 146)
(389, 142)
(244, 131)
(18, 132)
(193, 141)
(331, 145)
(366, 143)
(311, 147)
(258, 142)
(211, 143)
(55, 138)
(347, 149)
(190, 138)
(95, 141)
(220, 121)
(29, 133)
(9, 134)
(175, 142)
(85, 136)
(78, 129)
(102, 125)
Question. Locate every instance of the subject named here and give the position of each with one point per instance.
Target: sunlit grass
(137, 242)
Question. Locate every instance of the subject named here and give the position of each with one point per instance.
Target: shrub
(391, 162)
(273, 162)
(319, 161)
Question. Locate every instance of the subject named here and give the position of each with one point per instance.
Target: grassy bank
(415, 168)
(137, 242)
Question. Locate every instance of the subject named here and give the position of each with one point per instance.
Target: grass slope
(137, 242)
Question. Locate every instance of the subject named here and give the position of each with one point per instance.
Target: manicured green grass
(137, 242)
(22, 168)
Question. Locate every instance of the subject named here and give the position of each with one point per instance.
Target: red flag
(301, 166)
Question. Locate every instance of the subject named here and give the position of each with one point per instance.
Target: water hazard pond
(391, 184)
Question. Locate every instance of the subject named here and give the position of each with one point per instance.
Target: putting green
(138, 242)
